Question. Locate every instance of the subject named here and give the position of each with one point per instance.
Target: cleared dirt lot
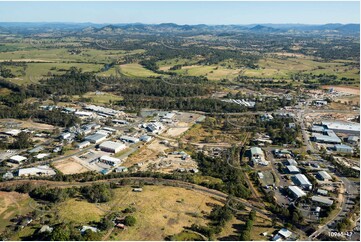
(11, 204)
(344, 89)
(8, 123)
(71, 165)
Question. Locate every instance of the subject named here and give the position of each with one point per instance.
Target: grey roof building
(302, 181)
(296, 191)
(323, 176)
(322, 200)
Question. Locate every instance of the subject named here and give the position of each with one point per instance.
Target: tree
(130, 220)
(22, 141)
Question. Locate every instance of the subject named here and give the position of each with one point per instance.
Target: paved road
(352, 191)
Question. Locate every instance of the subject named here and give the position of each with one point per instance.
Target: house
(302, 181)
(41, 156)
(322, 200)
(36, 149)
(296, 191)
(282, 153)
(8, 175)
(292, 125)
(85, 228)
(17, 159)
(266, 117)
(111, 146)
(320, 103)
(323, 176)
(65, 136)
(137, 190)
(46, 228)
(283, 234)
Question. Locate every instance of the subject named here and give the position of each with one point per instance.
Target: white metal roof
(108, 158)
(297, 191)
(303, 179)
(320, 199)
(292, 169)
(33, 171)
(342, 125)
(324, 175)
(18, 158)
(112, 145)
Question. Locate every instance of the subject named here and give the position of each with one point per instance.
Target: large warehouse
(342, 127)
(302, 181)
(113, 147)
(96, 138)
(296, 191)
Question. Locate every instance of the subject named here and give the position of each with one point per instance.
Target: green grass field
(80, 212)
(36, 71)
(101, 98)
(136, 70)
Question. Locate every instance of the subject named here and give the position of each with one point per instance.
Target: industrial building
(121, 169)
(302, 181)
(129, 139)
(257, 156)
(155, 127)
(322, 192)
(328, 136)
(17, 159)
(118, 121)
(110, 146)
(296, 191)
(291, 162)
(83, 144)
(110, 160)
(343, 149)
(342, 127)
(293, 169)
(353, 139)
(323, 176)
(36, 149)
(102, 111)
(322, 200)
(96, 138)
(37, 171)
(145, 138)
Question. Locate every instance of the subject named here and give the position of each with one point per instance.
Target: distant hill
(114, 29)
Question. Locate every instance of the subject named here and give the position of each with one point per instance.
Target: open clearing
(11, 204)
(136, 70)
(70, 165)
(344, 89)
(160, 211)
(81, 211)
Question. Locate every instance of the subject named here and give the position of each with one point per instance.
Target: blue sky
(182, 12)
